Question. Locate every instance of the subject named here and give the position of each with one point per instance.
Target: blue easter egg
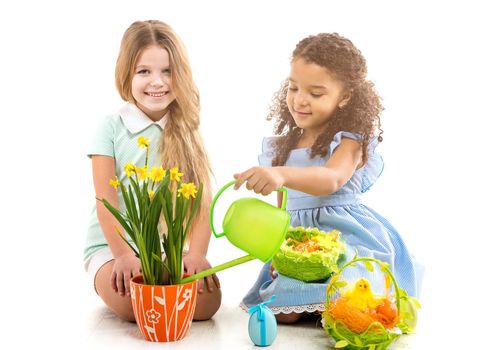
(262, 332)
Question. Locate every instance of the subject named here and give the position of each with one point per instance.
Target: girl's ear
(345, 99)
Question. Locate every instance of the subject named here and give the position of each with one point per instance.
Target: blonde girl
(154, 77)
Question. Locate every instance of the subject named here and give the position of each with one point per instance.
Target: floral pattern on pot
(163, 313)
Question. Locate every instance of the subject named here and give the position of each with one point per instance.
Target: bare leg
(207, 304)
(120, 305)
(288, 318)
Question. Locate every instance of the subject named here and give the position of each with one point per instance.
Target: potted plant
(162, 306)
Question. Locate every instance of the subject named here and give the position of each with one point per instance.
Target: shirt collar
(136, 120)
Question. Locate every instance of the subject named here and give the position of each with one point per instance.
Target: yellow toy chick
(361, 295)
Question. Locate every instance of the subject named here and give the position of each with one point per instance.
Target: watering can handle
(231, 183)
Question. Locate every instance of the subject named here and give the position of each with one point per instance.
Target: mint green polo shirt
(116, 137)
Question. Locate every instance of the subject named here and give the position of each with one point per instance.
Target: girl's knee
(207, 304)
(120, 305)
(288, 318)
(124, 313)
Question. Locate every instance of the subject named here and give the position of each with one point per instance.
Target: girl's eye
(317, 95)
(143, 71)
(292, 88)
(167, 71)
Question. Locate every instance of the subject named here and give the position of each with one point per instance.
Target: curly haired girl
(327, 126)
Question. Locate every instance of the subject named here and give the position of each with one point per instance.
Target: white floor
(60, 310)
(226, 330)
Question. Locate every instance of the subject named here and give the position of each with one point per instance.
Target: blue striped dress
(362, 229)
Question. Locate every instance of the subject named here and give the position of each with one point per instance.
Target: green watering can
(252, 225)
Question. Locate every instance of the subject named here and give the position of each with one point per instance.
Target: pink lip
(302, 114)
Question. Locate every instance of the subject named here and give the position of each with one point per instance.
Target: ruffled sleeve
(374, 166)
(265, 158)
(337, 138)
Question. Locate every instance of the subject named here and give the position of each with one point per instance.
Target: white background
(428, 60)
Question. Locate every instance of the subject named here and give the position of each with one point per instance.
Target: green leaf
(135, 217)
(358, 341)
(179, 213)
(130, 245)
(136, 187)
(130, 209)
(341, 344)
(340, 284)
(117, 214)
(168, 206)
(156, 257)
(384, 267)
(167, 209)
(127, 202)
(368, 266)
(405, 328)
(403, 293)
(372, 347)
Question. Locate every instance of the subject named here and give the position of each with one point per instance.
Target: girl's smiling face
(313, 96)
(151, 86)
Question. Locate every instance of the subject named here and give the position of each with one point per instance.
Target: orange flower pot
(163, 313)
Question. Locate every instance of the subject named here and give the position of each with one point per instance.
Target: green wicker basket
(309, 254)
(373, 335)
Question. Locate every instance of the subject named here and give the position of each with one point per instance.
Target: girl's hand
(194, 263)
(125, 267)
(261, 180)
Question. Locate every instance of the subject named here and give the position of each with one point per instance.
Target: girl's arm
(126, 263)
(319, 180)
(195, 260)
(103, 171)
(200, 237)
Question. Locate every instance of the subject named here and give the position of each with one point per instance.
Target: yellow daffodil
(157, 174)
(151, 193)
(142, 173)
(175, 175)
(188, 190)
(129, 169)
(143, 142)
(114, 183)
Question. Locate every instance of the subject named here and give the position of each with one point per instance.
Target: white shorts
(96, 261)
(99, 259)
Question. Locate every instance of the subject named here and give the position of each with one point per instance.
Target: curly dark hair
(360, 116)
